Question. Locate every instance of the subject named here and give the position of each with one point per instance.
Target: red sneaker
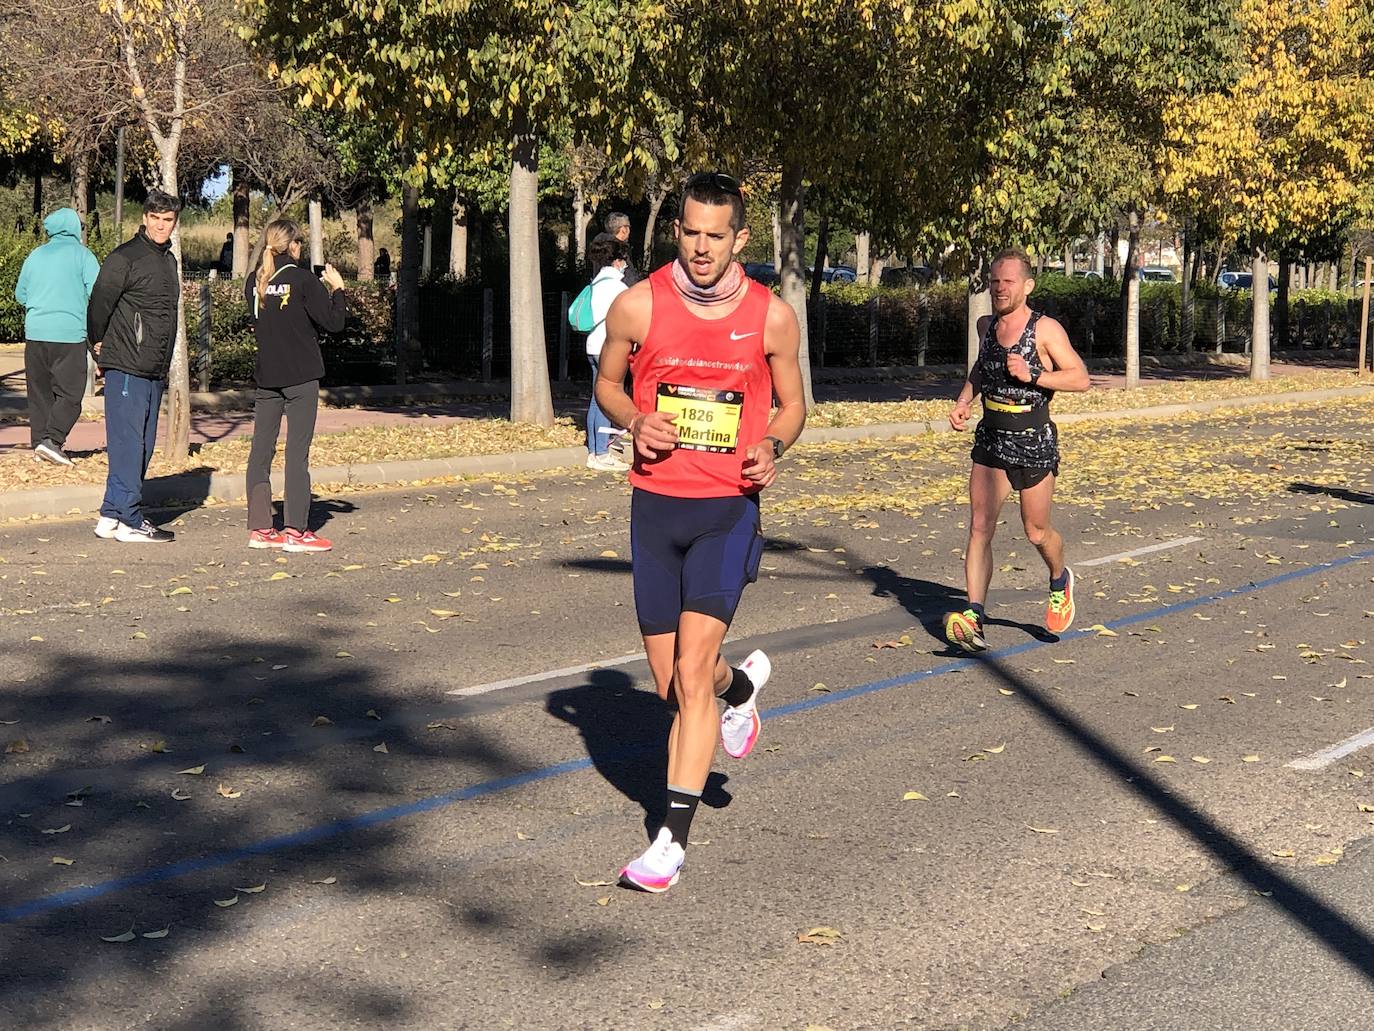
(294, 540)
(266, 539)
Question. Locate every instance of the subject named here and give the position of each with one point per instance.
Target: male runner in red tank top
(708, 349)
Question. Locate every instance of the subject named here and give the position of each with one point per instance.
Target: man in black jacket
(132, 318)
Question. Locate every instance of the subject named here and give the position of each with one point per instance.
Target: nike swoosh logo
(742, 336)
(679, 805)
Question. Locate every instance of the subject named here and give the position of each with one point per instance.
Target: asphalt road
(393, 765)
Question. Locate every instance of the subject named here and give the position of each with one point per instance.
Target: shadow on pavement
(1358, 497)
(93, 784)
(1324, 923)
(625, 731)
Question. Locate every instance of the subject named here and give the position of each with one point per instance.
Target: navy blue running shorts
(691, 555)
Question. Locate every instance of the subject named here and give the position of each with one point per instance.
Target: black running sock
(682, 806)
(1060, 582)
(977, 607)
(741, 687)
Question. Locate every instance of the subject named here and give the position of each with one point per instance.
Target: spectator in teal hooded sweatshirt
(54, 288)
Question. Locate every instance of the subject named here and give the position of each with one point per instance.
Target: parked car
(840, 274)
(1241, 281)
(1086, 273)
(1157, 274)
(762, 271)
(911, 275)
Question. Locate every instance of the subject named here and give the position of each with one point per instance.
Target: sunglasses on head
(719, 180)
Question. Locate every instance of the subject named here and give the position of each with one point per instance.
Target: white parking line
(1177, 542)
(1324, 758)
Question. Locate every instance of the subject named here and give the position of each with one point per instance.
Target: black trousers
(55, 377)
(299, 404)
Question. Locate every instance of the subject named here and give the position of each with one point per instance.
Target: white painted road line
(1324, 758)
(566, 671)
(570, 671)
(1177, 542)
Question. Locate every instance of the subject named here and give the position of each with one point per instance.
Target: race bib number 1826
(707, 420)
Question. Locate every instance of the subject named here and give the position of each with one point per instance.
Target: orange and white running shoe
(1059, 612)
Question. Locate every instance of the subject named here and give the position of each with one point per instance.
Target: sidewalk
(214, 420)
(195, 487)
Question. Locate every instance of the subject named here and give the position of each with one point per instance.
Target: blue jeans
(131, 410)
(599, 428)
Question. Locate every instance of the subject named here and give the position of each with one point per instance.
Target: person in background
(618, 225)
(290, 308)
(225, 265)
(132, 322)
(381, 266)
(607, 257)
(54, 287)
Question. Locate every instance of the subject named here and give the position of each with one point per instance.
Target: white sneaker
(740, 724)
(105, 527)
(607, 463)
(658, 868)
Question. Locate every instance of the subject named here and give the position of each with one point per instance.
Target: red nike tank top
(714, 374)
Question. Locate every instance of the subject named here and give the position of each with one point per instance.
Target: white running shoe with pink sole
(657, 869)
(740, 724)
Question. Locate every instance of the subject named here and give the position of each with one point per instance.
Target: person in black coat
(132, 323)
(290, 308)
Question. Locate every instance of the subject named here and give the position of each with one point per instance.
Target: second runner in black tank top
(1015, 428)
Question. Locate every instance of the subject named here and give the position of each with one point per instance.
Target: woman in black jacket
(290, 307)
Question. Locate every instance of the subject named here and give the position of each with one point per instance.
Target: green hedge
(926, 326)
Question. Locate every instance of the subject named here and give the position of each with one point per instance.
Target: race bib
(707, 420)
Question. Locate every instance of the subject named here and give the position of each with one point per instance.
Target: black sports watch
(1035, 376)
(777, 447)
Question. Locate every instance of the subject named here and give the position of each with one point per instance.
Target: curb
(198, 487)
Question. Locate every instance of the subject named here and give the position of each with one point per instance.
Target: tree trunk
(408, 287)
(818, 267)
(458, 240)
(792, 239)
(1100, 257)
(367, 245)
(426, 251)
(37, 202)
(1280, 312)
(531, 398)
(243, 230)
(1068, 260)
(581, 219)
(656, 202)
(979, 306)
(777, 237)
(176, 446)
(81, 183)
(861, 243)
(1112, 257)
(1259, 334)
(1185, 301)
(1130, 297)
(316, 233)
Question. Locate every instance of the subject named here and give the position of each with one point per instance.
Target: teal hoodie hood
(55, 282)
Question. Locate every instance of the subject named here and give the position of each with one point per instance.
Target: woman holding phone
(290, 308)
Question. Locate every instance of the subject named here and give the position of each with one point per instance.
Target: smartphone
(319, 270)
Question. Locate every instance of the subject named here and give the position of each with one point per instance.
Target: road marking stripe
(1177, 542)
(566, 671)
(1324, 758)
(624, 660)
(483, 789)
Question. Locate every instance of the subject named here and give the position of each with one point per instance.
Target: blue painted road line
(313, 835)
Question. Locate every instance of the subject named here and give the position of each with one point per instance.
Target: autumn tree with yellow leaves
(1280, 154)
